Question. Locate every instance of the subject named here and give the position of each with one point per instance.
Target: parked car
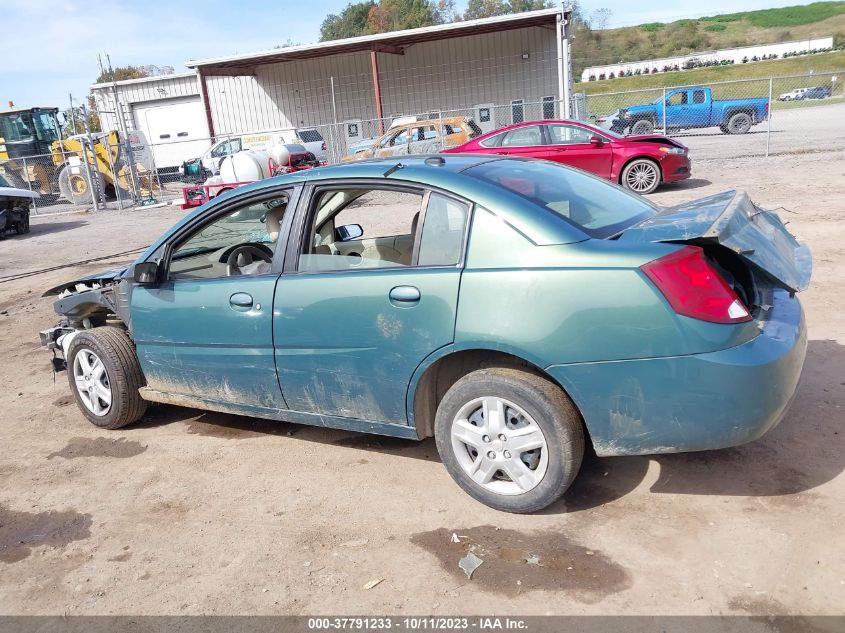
(792, 95)
(819, 92)
(367, 143)
(514, 309)
(638, 163)
(420, 137)
(689, 108)
(14, 208)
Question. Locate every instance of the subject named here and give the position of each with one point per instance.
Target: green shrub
(715, 27)
(650, 27)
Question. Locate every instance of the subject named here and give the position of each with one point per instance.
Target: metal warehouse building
(493, 69)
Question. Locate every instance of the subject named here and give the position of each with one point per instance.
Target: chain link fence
(755, 117)
(723, 120)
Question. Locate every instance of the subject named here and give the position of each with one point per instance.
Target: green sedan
(516, 310)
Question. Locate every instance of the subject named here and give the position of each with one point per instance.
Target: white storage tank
(246, 166)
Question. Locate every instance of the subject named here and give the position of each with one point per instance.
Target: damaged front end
(85, 303)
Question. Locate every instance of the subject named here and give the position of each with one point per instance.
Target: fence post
(769, 119)
(664, 109)
(440, 129)
(115, 177)
(84, 142)
(29, 184)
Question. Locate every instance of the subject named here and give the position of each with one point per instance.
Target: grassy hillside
(819, 63)
(604, 97)
(656, 39)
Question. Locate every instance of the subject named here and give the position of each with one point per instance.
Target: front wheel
(641, 176)
(75, 187)
(105, 377)
(509, 438)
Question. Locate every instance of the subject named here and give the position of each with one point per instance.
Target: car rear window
(310, 136)
(599, 209)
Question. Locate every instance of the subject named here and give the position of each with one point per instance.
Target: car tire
(643, 126)
(641, 176)
(102, 361)
(724, 129)
(537, 413)
(739, 123)
(22, 227)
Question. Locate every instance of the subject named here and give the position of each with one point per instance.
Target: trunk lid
(731, 220)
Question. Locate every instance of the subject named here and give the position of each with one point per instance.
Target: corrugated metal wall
(448, 74)
(135, 92)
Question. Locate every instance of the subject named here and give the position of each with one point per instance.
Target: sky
(51, 48)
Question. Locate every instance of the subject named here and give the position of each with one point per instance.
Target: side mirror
(596, 141)
(145, 273)
(348, 232)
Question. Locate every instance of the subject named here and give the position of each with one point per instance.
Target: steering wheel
(244, 255)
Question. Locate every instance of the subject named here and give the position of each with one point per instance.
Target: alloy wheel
(641, 177)
(499, 446)
(92, 382)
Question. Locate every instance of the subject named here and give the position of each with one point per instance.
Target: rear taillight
(693, 287)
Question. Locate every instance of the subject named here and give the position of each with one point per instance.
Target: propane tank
(246, 166)
(281, 154)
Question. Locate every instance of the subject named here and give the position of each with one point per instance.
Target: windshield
(598, 208)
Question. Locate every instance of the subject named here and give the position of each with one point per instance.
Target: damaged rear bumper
(696, 402)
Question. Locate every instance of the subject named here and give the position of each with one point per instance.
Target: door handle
(240, 300)
(405, 294)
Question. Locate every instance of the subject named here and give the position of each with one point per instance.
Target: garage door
(175, 128)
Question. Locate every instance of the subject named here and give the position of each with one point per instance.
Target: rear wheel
(642, 127)
(641, 175)
(739, 123)
(105, 377)
(509, 438)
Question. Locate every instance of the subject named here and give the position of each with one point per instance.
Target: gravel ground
(190, 512)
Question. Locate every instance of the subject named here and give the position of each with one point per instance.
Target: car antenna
(395, 167)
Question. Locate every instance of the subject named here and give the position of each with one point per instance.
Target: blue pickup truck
(687, 108)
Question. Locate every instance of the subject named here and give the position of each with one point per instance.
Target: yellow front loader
(33, 155)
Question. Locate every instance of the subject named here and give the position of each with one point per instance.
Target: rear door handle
(405, 294)
(240, 300)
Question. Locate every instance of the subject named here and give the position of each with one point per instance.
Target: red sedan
(638, 163)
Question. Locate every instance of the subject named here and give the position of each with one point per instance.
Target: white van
(265, 141)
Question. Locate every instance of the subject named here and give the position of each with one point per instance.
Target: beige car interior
(381, 214)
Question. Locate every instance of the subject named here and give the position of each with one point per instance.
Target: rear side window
(310, 136)
(698, 96)
(597, 208)
(443, 231)
(529, 136)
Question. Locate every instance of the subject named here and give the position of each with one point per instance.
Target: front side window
(241, 242)
(679, 98)
(600, 210)
(353, 229)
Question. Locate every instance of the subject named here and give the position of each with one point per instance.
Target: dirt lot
(192, 513)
